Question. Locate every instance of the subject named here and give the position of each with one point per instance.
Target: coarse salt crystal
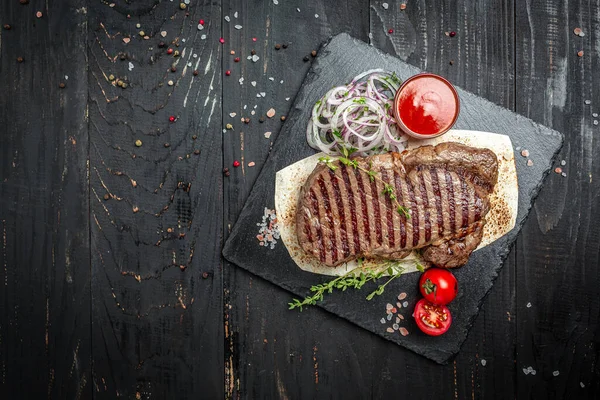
(203, 37)
(563, 162)
(588, 102)
(130, 66)
(582, 384)
(200, 27)
(253, 83)
(271, 114)
(389, 330)
(252, 112)
(395, 327)
(287, 99)
(227, 18)
(528, 305)
(255, 58)
(238, 27)
(389, 317)
(251, 164)
(595, 122)
(555, 373)
(271, 78)
(235, 14)
(263, 94)
(595, 115)
(403, 331)
(316, 15)
(483, 362)
(163, 33)
(389, 306)
(382, 320)
(385, 6)
(232, 114)
(298, 9)
(275, 2)
(405, 304)
(402, 296)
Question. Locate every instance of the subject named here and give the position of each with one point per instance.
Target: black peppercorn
(261, 119)
(253, 52)
(305, 59)
(285, 45)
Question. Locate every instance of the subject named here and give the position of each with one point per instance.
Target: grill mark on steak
(414, 212)
(343, 233)
(350, 196)
(451, 202)
(341, 216)
(376, 212)
(364, 206)
(465, 204)
(398, 186)
(425, 200)
(391, 232)
(330, 222)
(437, 195)
(318, 228)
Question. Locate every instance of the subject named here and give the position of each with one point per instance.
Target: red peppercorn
(390, 31)
(228, 72)
(170, 51)
(237, 59)
(221, 40)
(172, 118)
(452, 34)
(236, 163)
(254, 39)
(201, 22)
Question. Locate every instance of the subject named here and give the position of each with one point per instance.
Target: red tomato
(432, 319)
(438, 286)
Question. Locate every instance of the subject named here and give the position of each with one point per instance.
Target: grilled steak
(344, 214)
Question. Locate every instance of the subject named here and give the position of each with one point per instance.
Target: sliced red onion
(357, 115)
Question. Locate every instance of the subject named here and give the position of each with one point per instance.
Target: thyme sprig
(388, 189)
(354, 279)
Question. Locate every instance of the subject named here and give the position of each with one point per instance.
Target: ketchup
(426, 104)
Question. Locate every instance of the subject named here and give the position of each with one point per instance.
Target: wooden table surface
(113, 217)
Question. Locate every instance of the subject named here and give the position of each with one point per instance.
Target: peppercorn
(204, 275)
(111, 77)
(277, 46)
(227, 173)
(167, 145)
(452, 34)
(182, 267)
(20, 59)
(313, 53)
(169, 51)
(237, 59)
(176, 54)
(62, 85)
(142, 33)
(172, 118)
(261, 119)
(138, 143)
(285, 45)
(194, 137)
(246, 120)
(7, 27)
(236, 163)
(106, 196)
(253, 52)
(124, 85)
(283, 117)
(161, 44)
(123, 56)
(195, 72)
(24, 1)
(228, 72)
(173, 69)
(225, 169)
(229, 126)
(196, 152)
(451, 62)
(305, 59)
(183, 6)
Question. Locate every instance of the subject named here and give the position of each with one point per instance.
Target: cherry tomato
(438, 286)
(432, 319)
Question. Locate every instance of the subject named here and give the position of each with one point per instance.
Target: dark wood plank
(322, 348)
(479, 58)
(157, 281)
(45, 264)
(270, 355)
(558, 309)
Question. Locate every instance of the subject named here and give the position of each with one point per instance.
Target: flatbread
(500, 219)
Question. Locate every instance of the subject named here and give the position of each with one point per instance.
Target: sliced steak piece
(343, 212)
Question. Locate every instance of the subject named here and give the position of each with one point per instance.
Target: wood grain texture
(156, 205)
(44, 261)
(558, 309)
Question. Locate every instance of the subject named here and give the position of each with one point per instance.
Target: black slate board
(338, 62)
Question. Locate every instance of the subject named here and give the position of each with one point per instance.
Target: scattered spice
(580, 53)
(62, 85)
(106, 196)
(451, 62)
(173, 68)
(194, 137)
(390, 31)
(221, 40)
(268, 234)
(228, 72)
(261, 119)
(6, 27)
(138, 143)
(452, 34)
(126, 40)
(170, 83)
(142, 33)
(167, 145)
(195, 73)
(237, 59)
(201, 22)
(403, 331)
(558, 170)
(251, 164)
(525, 153)
(161, 44)
(403, 6)
(402, 296)
(24, 1)
(196, 152)
(267, 134)
(271, 113)
(39, 14)
(169, 51)
(305, 59)
(236, 163)
(176, 53)
(277, 46)
(254, 39)
(183, 6)
(529, 163)
(246, 120)
(253, 52)
(20, 59)
(283, 118)
(229, 126)
(135, 209)
(313, 53)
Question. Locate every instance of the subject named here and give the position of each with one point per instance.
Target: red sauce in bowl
(426, 106)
